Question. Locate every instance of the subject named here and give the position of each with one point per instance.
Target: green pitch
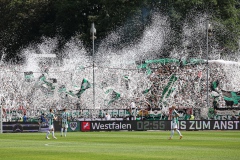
(149, 145)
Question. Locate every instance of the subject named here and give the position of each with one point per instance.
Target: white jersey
(174, 116)
(50, 118)
(65, 116)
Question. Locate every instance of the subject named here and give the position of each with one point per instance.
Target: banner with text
(159, 125)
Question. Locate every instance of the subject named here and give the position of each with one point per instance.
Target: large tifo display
(125, 125)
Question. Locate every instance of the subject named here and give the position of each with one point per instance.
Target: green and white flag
(63, 92)
(85, 85)
(126, 81)
(42, 77)
(146, 91)
(113, 95)
(50, 85)
(214, 85)
(169, 88)
(28, 76)
(235, 97)
(62, 88)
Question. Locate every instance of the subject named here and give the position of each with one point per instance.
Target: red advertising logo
(85, 126)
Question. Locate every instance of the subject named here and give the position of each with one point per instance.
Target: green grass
(135, 145)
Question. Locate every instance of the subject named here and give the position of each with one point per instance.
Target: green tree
(25, 22)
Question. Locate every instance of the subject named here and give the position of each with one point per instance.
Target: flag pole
(209, 33)
(93, 32)
(207, 67)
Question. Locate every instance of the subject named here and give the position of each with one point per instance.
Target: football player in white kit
(65, 117)
(174, 123)
(51, 117)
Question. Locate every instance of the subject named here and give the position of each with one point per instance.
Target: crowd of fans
(188, 91)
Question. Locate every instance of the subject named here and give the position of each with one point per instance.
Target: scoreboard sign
(159, 125)
(189, 125)
(209, 125)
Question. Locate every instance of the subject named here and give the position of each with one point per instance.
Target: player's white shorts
(174, 125)
(64, 125)
(50, 127)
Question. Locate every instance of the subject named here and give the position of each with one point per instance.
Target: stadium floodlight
(208, 33)
(93, 37)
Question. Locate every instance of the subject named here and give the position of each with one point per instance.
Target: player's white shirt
(50, 118)
(174, 122)
(65, 116)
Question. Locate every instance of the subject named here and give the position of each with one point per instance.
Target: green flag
(235, 97)
(28, 76)
(108, 91)
(42, 78)
(62, 88)
(71, 93)
(211, 113)
(145, 64)
(114, 95)
(146, 91)
(85, 85)
(169, 88)
(126, 81)
(214, 85)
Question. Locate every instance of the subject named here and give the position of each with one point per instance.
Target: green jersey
(174, 116)
(50, 118)
(65, 118)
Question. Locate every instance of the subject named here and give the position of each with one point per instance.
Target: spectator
(233, 118)
(42, 121)
(20, 119)
(133, 109)
(25, 118)
(191, 117)
(42, 118)
(107, 117)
